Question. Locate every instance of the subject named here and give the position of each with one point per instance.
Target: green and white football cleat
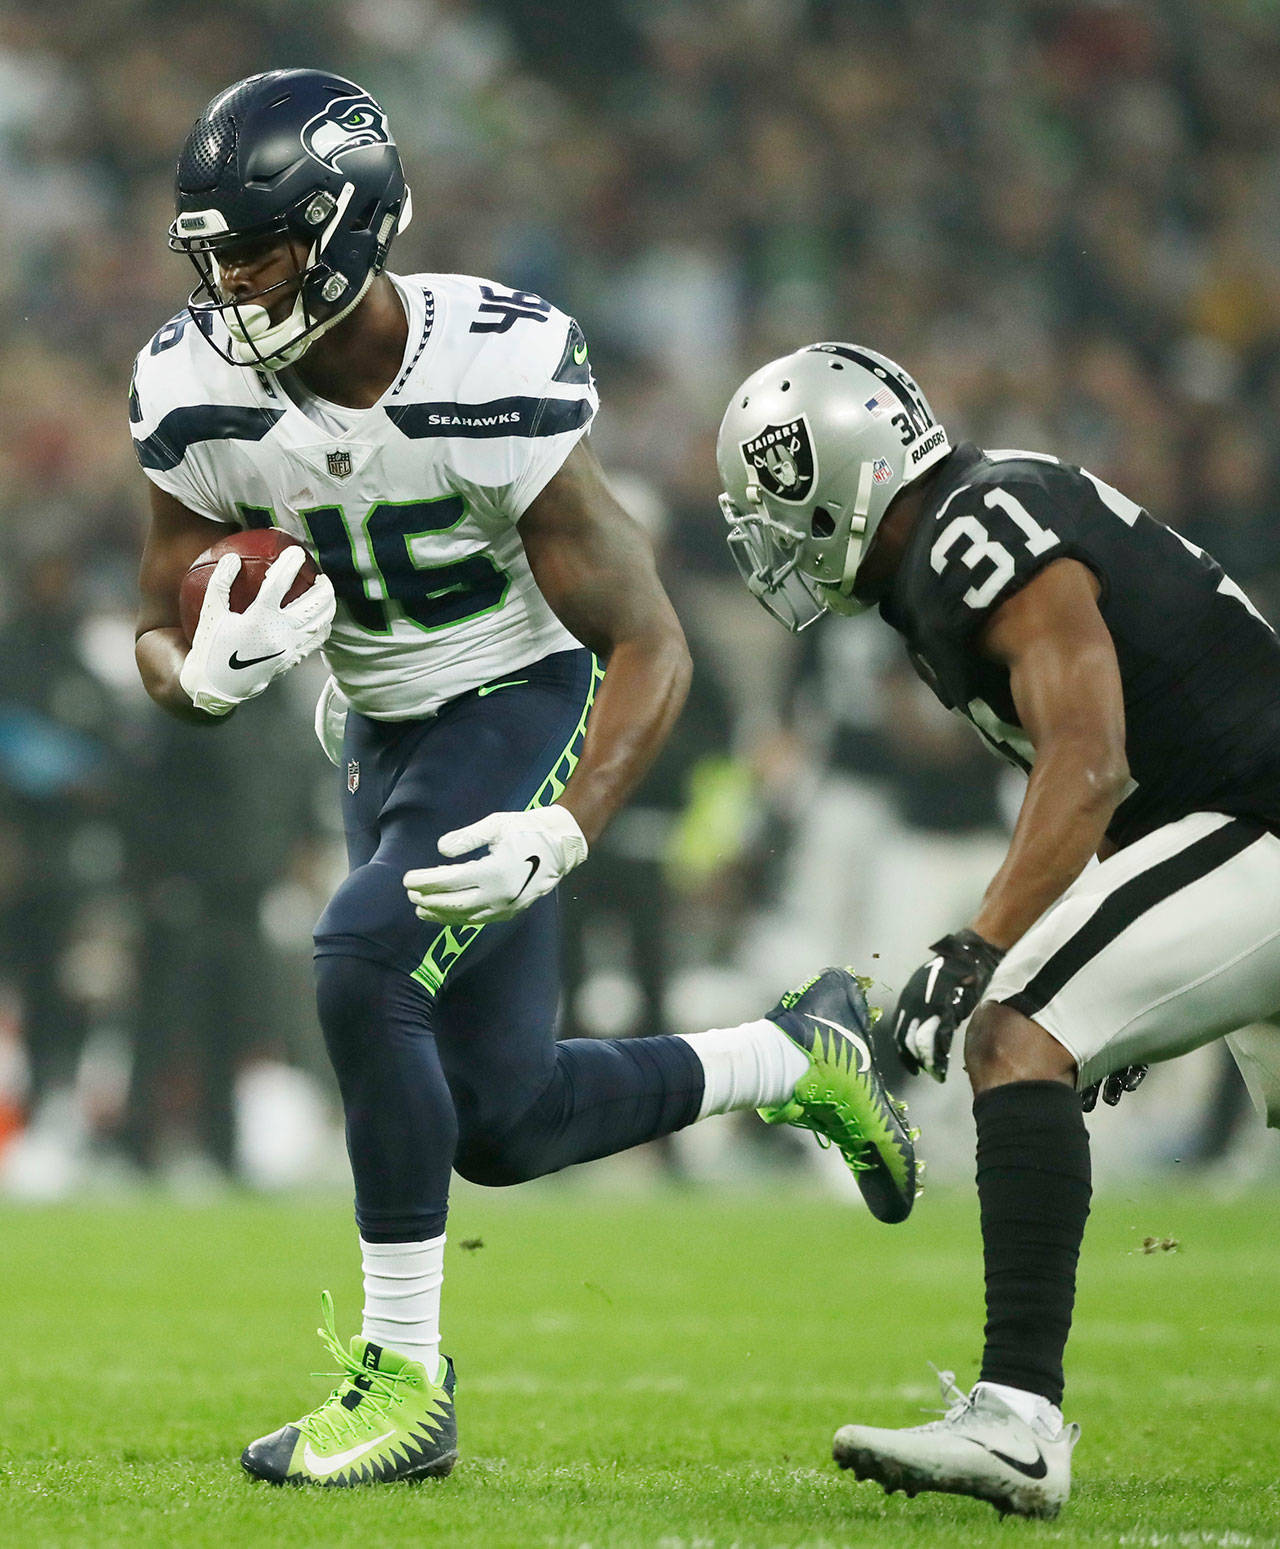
(842, 1097)
(384, 1421)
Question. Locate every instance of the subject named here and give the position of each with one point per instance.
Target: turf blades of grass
(661, 1370)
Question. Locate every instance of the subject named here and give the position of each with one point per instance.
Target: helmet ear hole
(822, 524)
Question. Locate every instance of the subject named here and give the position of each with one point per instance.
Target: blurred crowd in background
(1061, 217)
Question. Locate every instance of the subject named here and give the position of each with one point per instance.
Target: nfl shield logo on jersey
(781, 460)
(339, 464)
(353, 775)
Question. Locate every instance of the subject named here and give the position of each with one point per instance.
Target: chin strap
(837, 600)
(838, 596)
(255, 342)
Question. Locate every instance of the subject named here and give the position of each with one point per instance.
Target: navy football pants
(443, 1038)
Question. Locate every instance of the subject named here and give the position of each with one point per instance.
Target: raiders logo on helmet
(780, 459)
(347, 124)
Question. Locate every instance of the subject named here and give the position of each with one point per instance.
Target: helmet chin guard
(291, 154)
(256, 341)
(812, 449)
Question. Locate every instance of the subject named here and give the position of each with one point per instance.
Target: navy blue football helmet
(290, 153)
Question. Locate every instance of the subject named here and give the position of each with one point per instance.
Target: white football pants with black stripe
(1172, 942)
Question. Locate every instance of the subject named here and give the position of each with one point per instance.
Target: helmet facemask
(778, 558)
(324, 295)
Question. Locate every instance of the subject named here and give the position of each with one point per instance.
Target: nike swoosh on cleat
(534, 862)
(1036, 1470)
(236, 662)
(864, 1054)
(323, 1466)
(492, 688)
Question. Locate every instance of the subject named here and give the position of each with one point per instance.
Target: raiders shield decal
(780, 459)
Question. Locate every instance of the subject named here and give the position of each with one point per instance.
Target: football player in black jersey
(1137, 912)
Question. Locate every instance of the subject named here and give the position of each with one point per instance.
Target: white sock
(1028, 1406)
(752, 1066)
(402, 1283)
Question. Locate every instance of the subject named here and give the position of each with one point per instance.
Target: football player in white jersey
(424, 438)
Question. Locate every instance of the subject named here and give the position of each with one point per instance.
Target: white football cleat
(981, 1447)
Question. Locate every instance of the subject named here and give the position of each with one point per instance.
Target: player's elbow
(1107, 775)
(680, 665)
(1092, 759)
(663, 652)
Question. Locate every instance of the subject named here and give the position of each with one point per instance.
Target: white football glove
(528, 854)
(331, 720)
(235, 655)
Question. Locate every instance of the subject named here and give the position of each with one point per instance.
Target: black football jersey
(1199, 665)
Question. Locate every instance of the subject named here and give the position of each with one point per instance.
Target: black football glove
(1113, 1087)
(938, 997)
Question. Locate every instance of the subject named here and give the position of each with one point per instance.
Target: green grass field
(660, 1370)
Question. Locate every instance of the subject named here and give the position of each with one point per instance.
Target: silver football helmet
(812, 449)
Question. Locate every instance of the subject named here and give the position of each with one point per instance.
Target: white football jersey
(411, 509)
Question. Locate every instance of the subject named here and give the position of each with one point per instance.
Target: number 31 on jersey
(982, 549)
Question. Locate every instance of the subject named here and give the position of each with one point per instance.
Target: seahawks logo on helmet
(780, 460)
(347, 124)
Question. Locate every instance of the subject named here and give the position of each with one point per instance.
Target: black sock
(1033, 1189)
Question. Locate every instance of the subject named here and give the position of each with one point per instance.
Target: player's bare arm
(175, 537)
(1065, 682)
(595, 567)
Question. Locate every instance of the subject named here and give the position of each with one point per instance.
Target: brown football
(257, 547)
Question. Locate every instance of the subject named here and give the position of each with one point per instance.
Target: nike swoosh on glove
(938, 997)
(235, 655)
(1113, 1087)
(527, 854)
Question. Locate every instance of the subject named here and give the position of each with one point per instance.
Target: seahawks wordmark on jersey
(1199, 666)
(410, 507)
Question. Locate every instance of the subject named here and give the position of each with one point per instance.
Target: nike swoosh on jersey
(492, 688)
(237, 663)
(330, 1465)
(1036, 1470)
(859, 1044)
(579, 354)
(534, 862)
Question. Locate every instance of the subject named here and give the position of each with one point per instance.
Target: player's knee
(370, 916)
(981, 1047)
(507, 1148)
(347, 990)
(1002, 1046)
(497, 1163)
(361, 1004)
